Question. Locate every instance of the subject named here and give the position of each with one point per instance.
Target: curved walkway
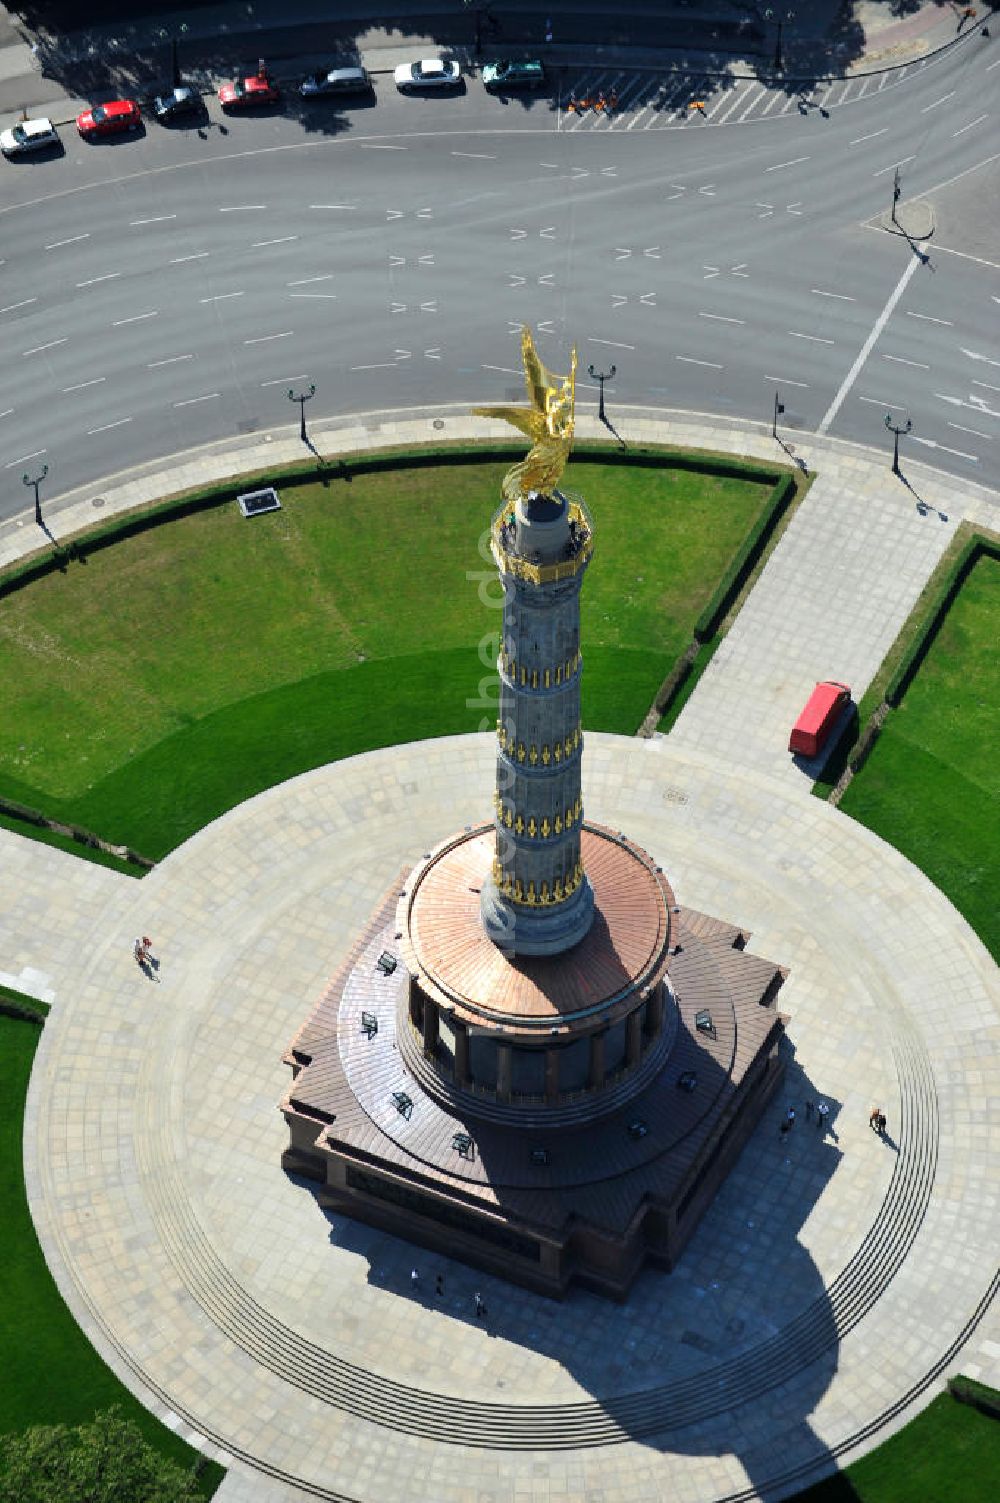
(294, 1340)
(223, 1295)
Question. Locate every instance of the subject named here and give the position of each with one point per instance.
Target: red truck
(819, 715)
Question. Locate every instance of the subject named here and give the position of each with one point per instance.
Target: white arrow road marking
(518, 234)
(617, 298)
(434, 354)
(546, 326)
(397, 307)
(515, 280)
(391, 214)
(652, 251)
(404, 354)
(648, 298)
(708, 190)
(739, 270)
(425, 260)
(975, 404)
(397, 260)
(768, 210)
(621, 254)
(549, 233)
(547, 279)
(613, 171)
(795, 208)
(430, 307)
(425, 213)
(679, 190)
(710, 272)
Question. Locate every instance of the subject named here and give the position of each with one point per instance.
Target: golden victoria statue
(548, 422)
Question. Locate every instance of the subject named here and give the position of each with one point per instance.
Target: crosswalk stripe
(759, 95)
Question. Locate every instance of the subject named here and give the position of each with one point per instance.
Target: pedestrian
(880, 1124)
(873, 1118)
(548, 28)
(822, 1112)
(788, 1122)
(480, 1307)
(439, 1285)
(414, 1280)
(809, 1111)
(147, 952)
(139, 952)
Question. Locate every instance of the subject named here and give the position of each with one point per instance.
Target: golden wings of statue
(548, 422)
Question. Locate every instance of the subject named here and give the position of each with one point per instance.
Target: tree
(106, 1461)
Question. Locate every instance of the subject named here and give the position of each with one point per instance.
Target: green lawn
(177, 673)
(949, 1454)
(49, 1372)
(932, 783)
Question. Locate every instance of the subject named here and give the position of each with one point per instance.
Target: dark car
(505, 74)
(352, 80)
(183, 100)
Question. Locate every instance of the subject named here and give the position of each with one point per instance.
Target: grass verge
(930, 785)
(160, 681)
(50, 1373)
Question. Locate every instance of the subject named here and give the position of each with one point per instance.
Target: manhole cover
(439, 422)
(98, 501)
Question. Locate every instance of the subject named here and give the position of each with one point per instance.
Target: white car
(28, 135)
(429, 73)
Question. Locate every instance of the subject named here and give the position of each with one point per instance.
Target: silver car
(429, 73)
(336, 81)
(27, 136)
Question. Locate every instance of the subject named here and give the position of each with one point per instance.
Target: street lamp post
(302, 398)
(779, 408)
(602, 376)
(896, 429)
(781, 21)
(36, 482)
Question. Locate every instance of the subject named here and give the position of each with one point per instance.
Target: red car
(257, 89)
(110, 118)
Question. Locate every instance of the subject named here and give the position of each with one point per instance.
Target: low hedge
(979, 1395)
(977, 547)
(19, 1005)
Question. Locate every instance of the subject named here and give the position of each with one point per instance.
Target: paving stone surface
(153, 1139)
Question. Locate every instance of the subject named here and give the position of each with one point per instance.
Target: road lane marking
(106, 426)
(973, 355)
(382, 365)
(159, 219)
(220, 297)
(876, 402)
(785, 381)
(974, 431)
(304, 281)
(281, 240)
(7, 412)
(108, 276)
(71, 241)
(866, 348)
(505, 370)
(286, 380)
(690, 360)
(978, 121)
(266, 338)
(313, 294)
(893, 166)
(172, 360)
(136, 318)
(613, 343)
(931, 443)
(23, 304)
(978, 404)
(376, 146)
(722, 319)
(476, 156)
(870, 137)
(13, 463)
(986, 386)
(242, 208)
(198, 256)
(842, 296)
(793, 163)
(81, 384)
(38, 348)
(928, 319)
(333, 206)
(898, 360)
(190, 401)
(944, 98)
(816, 338)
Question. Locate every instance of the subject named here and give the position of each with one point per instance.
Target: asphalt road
(165, 291)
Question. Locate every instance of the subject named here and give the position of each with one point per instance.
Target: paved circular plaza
(833, 1284)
